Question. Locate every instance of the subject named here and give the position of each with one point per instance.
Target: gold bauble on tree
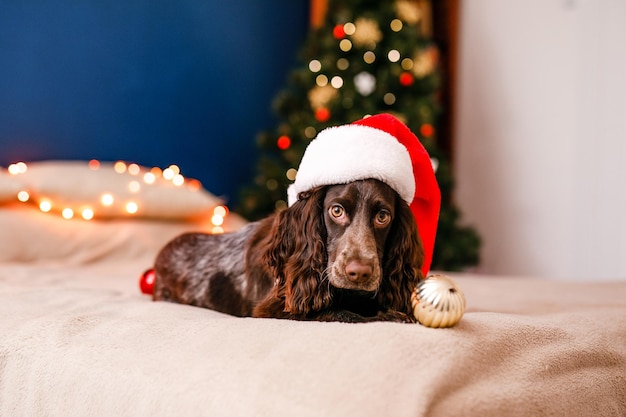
(408, 10)
(425, 61)
(367, 32)
(438, 302)
(321, 96)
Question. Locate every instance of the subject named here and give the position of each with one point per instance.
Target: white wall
(541, 135)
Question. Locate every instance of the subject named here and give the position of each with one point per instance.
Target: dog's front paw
(343, 316)
(395, 316)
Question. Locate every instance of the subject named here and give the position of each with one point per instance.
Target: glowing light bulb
(349, 28)
(45, 206)
(175, 169)
(94, 164)
(178, 180)
(168, 174)
(407, 64)
(336, 81)
(280, 205)
(119, 167)
(217, 220)
(217, 230)
(393, 55)
(321, 80)
(271, 184)
(157, 172)
(131, 207)
(107, 199)
(315, 65)
(343, 64)
(291, 174)
(17, 168)
(345, 45)
(396, 25)
(369, 57)
(310, 132)
(134, 186)
(149, 178)
(23, 196)
(194, 185)
(389, 99)
(87, 213)
(67, 213)
(220, 211)
(134, 169)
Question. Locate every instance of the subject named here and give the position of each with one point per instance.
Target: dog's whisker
(326, 277)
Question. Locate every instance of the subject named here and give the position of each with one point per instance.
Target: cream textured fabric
(9, 187)
(78, 339)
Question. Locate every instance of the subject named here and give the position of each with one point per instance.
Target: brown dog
(340, 253)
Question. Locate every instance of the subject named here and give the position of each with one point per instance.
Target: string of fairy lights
(139, 177)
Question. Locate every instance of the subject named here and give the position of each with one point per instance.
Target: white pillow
(80, 186)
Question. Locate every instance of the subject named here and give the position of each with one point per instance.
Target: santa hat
(379, 147)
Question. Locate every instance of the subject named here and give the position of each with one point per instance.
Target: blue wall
(151, 81)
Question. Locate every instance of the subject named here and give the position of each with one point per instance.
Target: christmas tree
(366, 57)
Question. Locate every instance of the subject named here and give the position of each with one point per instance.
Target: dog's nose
(358, 271)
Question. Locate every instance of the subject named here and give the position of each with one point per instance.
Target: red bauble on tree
(427, 130)
(339, 32)
(322, 114)
(283, 142)
(406, 79)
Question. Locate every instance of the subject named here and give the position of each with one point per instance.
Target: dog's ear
(402, 261)
(296, 255)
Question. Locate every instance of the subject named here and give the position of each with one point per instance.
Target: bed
(78, 338)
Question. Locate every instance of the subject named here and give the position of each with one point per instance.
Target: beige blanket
(78, 339)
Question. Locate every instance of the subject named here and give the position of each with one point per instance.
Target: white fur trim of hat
(342, 154)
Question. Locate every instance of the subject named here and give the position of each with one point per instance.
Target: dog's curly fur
(340, 253)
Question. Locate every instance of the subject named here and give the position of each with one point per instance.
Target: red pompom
(406, 79)
(338, 32)
(146, 282)
(322, 114)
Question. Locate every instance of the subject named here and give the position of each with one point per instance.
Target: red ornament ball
(406, 79)
(283, 142)
(146, 281)
(338, 32)
(427, 130)
(322, 114)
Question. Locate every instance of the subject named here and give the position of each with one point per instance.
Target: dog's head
(358, 218)
(359, 236)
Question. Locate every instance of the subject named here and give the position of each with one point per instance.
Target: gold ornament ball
(366, 32)
(409, 11)
(438, 302)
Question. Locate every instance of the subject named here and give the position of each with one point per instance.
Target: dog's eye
(336, 210)
(383, 217)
